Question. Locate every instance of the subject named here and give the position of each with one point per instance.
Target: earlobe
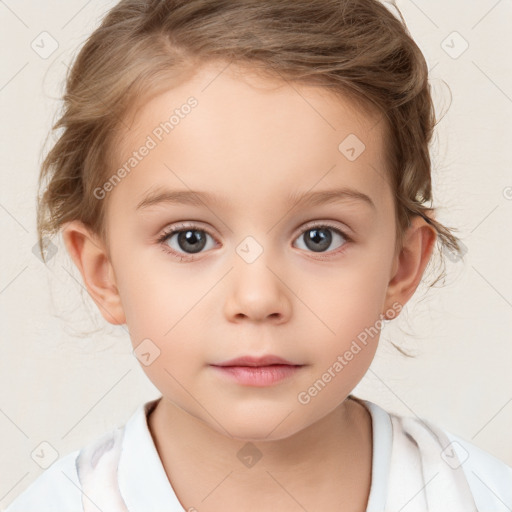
(90, 256)
(409, 265)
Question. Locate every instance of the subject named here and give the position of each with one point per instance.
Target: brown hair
(352, 47)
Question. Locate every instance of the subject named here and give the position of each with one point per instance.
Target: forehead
(246, 129)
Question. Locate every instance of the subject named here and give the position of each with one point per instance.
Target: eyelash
(185, 227)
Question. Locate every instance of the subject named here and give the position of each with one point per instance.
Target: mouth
(267, 360)
(257, 371)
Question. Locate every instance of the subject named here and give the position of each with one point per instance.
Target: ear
(410, 263)
(91, 257)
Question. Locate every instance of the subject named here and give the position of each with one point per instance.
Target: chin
(260, 426)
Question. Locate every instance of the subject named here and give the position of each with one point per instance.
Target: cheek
(349, 301)
(160, 314)
(342, 352)
(165, 304)
(350, 298)
(147, 297)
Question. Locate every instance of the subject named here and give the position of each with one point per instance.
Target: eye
(318, 238)
(190, 239)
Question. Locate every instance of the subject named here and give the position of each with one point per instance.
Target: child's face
(259, 284)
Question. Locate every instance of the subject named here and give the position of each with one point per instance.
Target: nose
(257, 292)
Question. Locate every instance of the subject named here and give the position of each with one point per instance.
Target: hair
(353, 48)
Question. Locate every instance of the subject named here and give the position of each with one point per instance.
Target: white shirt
(416, 467)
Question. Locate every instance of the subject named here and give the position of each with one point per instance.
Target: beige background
(65, 390)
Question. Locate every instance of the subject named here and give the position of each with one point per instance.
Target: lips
(257, 371)
(266, 360)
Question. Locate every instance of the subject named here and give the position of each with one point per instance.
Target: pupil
(191, 240)
(318, 239)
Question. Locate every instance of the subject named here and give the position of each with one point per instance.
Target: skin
(252, 141)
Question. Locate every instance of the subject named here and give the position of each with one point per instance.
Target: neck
(328, 461)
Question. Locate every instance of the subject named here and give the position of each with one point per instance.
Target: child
(253, 130)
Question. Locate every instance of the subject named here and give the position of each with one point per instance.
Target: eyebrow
(200, 198)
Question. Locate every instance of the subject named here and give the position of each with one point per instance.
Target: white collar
(382, 442)
(143, 482)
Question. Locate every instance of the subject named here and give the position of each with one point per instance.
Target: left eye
(319, 238)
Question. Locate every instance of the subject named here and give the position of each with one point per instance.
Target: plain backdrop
(59, 390)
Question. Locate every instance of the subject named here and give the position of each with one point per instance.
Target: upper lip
(256, 361)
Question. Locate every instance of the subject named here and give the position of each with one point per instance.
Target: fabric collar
(143, 482)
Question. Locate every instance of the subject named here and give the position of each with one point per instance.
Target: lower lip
(259, 376)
